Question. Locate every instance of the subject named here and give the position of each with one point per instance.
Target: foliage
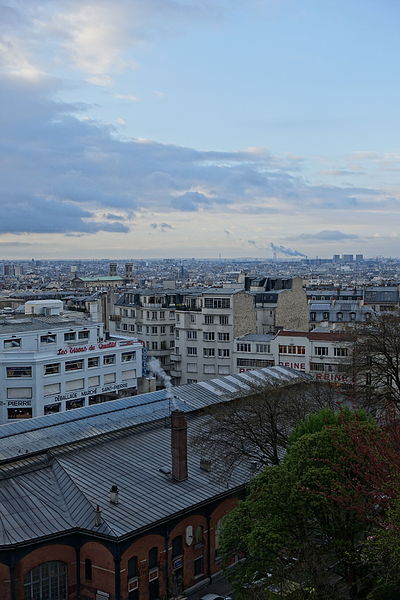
(295, 537)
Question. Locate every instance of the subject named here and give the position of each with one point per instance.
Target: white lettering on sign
(335, 377)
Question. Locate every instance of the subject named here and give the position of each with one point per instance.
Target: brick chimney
(179, 445)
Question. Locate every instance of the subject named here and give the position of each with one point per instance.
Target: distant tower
(113, 269)
(128, 271)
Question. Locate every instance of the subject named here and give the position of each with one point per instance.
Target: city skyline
(184, 128)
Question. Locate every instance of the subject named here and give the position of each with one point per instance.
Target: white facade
(325, 356)
(51, 365)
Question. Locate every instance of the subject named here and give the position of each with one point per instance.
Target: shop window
(50, 409)
(74, 404)
(93, 361)
(51, 368)
(23, 412)
(47, 581)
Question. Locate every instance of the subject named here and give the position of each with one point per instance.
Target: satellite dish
(189, 535)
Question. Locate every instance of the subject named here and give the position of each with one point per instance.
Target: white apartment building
(205, 328)
(52, 364)
(325, 355)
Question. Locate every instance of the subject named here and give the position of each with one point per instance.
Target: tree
(295, 539)
(257, 426)
(376, 363)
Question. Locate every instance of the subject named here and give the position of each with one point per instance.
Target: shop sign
(299, 366)
(19, 403)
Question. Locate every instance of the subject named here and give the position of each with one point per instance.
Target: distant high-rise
(128, 270)
(359, 257)
(347, 258)
(336, 258)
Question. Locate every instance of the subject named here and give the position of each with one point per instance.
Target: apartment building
(149, 314)
(339, 314)
(325, 355)
(280, 303)
(52, 364)
(205, 328)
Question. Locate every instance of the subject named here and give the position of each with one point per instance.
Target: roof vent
(205, 464)
(97, 517)
(165, 470)
(114, 494)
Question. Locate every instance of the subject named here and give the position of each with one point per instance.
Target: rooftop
(41, 323)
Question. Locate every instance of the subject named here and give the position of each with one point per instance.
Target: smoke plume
(286, 251)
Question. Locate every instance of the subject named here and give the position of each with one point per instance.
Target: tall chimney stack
(179, 445)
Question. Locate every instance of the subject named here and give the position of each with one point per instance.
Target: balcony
(115, 317)
(176, 357)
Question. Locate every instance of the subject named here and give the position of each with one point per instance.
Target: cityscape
(199, 300)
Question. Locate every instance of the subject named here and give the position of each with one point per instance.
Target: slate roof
(54, 470)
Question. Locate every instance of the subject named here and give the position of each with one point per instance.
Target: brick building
(107, 503)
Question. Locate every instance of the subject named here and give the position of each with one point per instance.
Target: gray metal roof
(39, 324)
(256, 337)
(80, 454)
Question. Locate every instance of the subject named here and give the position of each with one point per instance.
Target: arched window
(48, 581)
(153, 557)
(199, 535)
(177, 546)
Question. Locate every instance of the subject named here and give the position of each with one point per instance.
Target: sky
(199, 128)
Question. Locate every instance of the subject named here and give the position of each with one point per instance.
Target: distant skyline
(193, 128)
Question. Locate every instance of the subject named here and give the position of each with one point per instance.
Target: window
(154, 315)
(139, 328)
(74, 365)
(132, 328)
(70, 404)
(223, 352)
(83, 335)
(340, 351)
(321, 350)
(124, 327)
(88, 569)
(74, 384)
(193, 318)
(223, 337)
(13, 343)
(93, 381)
(217, 303)
(127, 356)
(198, 566)
(132, 567)
(133, 314)
(177, 546)
(243, 347)
(19, 392)
(70, 336)
(162, 314)
(131, 374)
(153, 557)
(171, 329)
(51, 338)
(51, 409)
(199, 535)
(192, 367)
(208, 336)
(325, 315)
(208, 352)
(209, 369)
(19, 372)
(312, 316)
(171, 343)
(191, 335)
(19, 413)
(192, 380)
(223, 320)
(52, 368)
(93, 361)
(291, 349)
(209, 319)
(339, 316)
(223, 370)
(48, 581)
(154, 330)
(154, 345)
(162, 329)
(192, 351)
(352, 316)
(317, 366)
(368, 378)
(263, 348)
(177, 334)
(51, 389)
(109, 359)
(109, 377)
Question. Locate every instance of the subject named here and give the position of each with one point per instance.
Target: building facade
(49, 364)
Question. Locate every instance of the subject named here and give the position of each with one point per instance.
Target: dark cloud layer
(60, 173)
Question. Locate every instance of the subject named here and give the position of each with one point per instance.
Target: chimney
(113, 269)
(97, 516)
(179, 445)
(114, 494)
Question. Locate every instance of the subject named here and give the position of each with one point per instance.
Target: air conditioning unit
(153, 574)
(133, 584)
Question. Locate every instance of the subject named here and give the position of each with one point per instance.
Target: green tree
(296, 540)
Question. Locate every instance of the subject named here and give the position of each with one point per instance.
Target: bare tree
(256, 427)
(376, 363)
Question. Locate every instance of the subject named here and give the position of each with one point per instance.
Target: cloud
(127, 97)
(59, 171)
(328, 235)
(163, 227)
